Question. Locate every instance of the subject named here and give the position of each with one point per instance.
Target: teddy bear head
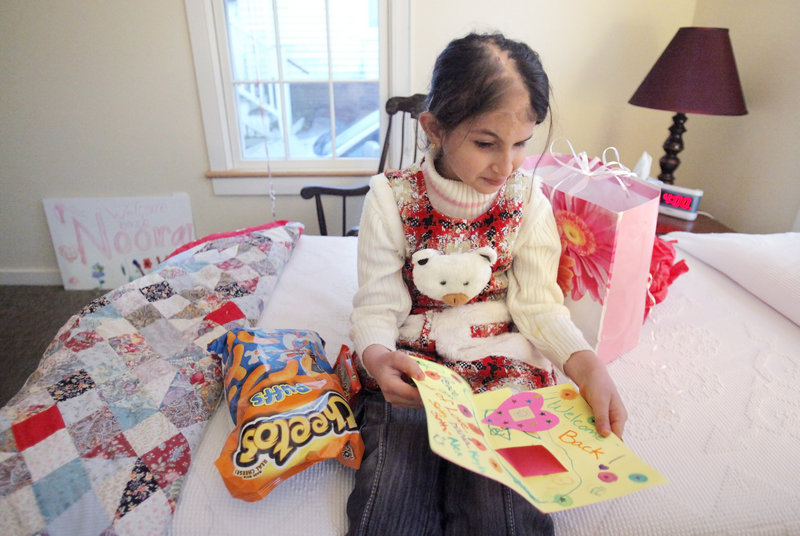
(453, 278)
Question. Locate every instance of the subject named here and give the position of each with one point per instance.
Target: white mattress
(711, 391)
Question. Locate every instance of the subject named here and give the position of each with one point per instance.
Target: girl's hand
(597, 387)
(391, 370)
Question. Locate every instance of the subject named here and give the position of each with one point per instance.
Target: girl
(486, 96)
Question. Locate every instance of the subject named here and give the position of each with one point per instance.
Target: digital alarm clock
(679, 202)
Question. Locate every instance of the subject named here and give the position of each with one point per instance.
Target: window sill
(246, 173)
(226, 183)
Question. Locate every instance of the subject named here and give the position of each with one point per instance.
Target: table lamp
(695, 74)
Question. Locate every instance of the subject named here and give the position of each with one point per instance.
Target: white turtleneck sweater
(535, 300)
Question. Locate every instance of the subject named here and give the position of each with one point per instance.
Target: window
(298, 82)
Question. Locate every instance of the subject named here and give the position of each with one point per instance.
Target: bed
(711, 390)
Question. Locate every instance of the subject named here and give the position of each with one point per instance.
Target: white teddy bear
(454, 279)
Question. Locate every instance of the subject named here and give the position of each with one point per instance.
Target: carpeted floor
(30, 316)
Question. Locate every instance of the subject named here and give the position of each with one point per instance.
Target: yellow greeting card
(543, 444)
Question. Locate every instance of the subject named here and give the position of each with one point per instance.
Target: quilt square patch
(155, 370)
(150, 433)
(193, 310)
(164, 338)
(116, 446)
(250, 255)
(170, 460)
(185, 410)
(13, 474)
(71, 386)
(103, 364)
(208, 276)
(244, 273)
(49, 454)
(230, 264)
(85, 516)
(21, 513)
(37, 427)
(61, 488)
(143, 316)
(94, 430)
(171, 273)
(141, 485)
(114, 327)
(76, 408)
(156, 292)
(148, 517)
(120, 387)
(129, 301)
(172, 305)
(82, 340)
(229, 288)
(227, 313)
(133, 349)
(158, 386)
(133, 410)
(94, 306)
(249, 285)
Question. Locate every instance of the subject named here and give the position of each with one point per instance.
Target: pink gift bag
(606, 218)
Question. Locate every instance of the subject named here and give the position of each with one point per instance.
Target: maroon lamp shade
(695, 74)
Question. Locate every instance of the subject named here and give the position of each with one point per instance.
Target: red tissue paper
(663, 271)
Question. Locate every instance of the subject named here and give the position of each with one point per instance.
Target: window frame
(204, 18)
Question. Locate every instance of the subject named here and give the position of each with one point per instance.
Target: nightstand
(703, 224)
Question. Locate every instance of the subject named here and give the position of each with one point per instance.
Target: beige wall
(595, 53)
(99, 99)
(748, 165)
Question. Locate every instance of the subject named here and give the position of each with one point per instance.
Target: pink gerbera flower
(587, 234)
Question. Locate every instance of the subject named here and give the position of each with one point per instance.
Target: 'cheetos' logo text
(280, 436)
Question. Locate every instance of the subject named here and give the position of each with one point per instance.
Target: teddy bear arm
(411, 329)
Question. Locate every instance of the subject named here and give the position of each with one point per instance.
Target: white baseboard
(35, 276)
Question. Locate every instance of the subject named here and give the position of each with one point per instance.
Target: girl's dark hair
(468, 80)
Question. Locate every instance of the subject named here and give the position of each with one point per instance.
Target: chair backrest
(318, 191)
(410, 109)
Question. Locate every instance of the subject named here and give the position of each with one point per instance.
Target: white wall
(99, 98)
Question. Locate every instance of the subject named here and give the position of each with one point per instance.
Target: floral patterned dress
(498, 227)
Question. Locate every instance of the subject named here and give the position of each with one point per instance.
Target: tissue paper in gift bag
(606, 219)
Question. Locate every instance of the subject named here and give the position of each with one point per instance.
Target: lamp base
(674, 144)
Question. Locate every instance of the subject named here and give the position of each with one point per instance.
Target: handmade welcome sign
(105, 242)
(543, 444)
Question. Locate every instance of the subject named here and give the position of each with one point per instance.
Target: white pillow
(768, 265)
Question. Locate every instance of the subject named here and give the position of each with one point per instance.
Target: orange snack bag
(290, 410)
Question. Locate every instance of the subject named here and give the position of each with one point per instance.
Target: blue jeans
(403, 488)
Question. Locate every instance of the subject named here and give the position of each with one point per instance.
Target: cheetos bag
(288, 407)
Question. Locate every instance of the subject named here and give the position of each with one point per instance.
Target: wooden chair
(410, 108)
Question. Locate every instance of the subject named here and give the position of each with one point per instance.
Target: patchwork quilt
(100, 438)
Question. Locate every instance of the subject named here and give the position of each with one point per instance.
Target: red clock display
(683, 202)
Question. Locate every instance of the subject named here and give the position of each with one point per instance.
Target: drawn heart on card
(523, 412)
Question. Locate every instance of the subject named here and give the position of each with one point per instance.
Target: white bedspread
(315, 291)
(712, 391)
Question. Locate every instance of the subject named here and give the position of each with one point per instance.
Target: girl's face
(483, 152)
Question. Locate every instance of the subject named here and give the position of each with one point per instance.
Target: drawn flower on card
(587, 235)
(568, 393)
